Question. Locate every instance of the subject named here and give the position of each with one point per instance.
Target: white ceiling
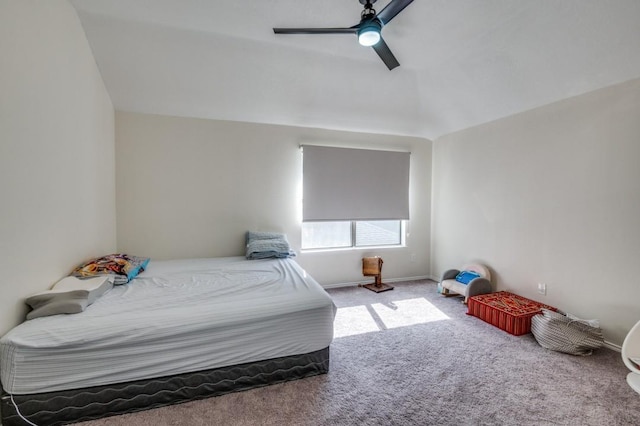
(463, 62)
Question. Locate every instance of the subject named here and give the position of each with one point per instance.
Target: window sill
(359, 248)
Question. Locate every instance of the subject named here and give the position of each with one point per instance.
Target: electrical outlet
(542, 288)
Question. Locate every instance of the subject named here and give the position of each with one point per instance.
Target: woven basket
(557, 332)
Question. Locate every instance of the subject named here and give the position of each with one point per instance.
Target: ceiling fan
(368, 30)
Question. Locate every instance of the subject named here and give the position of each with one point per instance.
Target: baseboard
(368, 281)
(612, 346)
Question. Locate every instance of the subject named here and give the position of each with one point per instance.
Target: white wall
(56, 152)
(551, 195)
(192, 188)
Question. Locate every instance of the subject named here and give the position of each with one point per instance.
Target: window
(378, 233)
(343, 234)
(353, 197)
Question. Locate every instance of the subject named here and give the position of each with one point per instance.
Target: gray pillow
(68, 296)
(264, 245)
(69, 302)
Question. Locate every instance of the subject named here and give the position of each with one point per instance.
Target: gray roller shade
(354, 184)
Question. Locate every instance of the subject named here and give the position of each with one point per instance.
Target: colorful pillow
(465, 277)
(122, 267)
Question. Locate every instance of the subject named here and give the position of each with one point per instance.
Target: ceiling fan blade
(392, 9)
(385, 54)
(351, 30)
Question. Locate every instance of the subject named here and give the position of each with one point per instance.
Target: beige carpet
(412, 357)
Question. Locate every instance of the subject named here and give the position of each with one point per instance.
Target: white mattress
(178, 316)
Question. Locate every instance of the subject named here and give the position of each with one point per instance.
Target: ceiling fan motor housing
(369, 12)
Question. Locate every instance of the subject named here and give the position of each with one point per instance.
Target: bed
(182, 330)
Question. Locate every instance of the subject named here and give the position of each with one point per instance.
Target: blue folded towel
(465, 277)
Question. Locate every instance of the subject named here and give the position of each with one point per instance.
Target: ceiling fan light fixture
(369, 34)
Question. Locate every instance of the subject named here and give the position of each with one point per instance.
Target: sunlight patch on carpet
(361, 319)
(353, 320)
(408, 312)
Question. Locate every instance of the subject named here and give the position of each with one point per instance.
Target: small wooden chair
(372, 267)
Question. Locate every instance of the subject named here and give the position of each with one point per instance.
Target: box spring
(70, 406)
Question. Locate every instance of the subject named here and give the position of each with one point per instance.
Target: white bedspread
(178, 316)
